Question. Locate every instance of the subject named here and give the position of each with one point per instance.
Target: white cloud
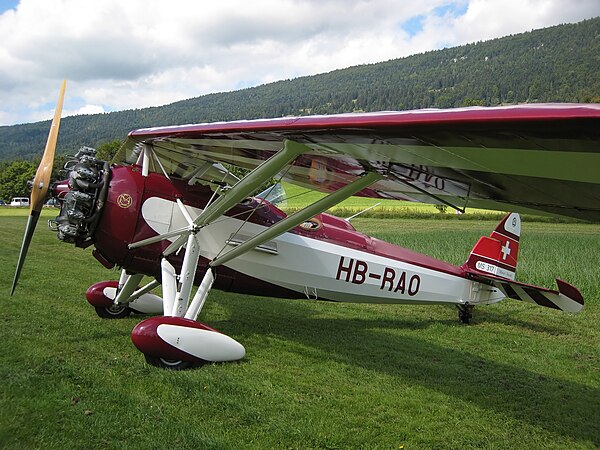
(486, 19)
(118, 55)
(87, 109)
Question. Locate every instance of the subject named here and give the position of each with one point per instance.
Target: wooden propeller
(41, 183)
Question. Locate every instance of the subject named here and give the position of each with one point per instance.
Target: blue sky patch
(455, 9)
(8, 4)
(414, 25)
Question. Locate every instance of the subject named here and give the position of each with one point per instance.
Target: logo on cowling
(124, 201)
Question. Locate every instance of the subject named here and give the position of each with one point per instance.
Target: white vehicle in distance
(19, 201)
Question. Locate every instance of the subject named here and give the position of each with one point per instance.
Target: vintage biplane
(169, 208)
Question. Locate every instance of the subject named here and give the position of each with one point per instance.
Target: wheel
(170, 363)
(113, 311)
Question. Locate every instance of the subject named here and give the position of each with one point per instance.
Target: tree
(14, 178)
(108, 150)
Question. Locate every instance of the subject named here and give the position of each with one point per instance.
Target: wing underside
(535, 159)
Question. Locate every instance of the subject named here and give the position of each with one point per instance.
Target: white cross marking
(505, 250)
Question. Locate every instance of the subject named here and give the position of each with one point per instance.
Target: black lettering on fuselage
(388, 278)
(356, 271)
(342, 268)
(359, 272)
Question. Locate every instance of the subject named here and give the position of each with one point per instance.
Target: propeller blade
(41, 183)
(29, 229)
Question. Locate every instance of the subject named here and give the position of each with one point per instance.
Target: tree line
(16, 175)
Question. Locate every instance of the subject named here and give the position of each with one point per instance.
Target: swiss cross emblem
(505, 250)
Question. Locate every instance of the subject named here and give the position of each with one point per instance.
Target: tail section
(493, 261)
(497, 254)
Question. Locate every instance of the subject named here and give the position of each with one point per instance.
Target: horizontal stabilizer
(567, 298)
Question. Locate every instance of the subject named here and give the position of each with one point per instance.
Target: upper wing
(528, 158)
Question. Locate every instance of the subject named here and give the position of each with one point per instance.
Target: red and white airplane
(168, 208)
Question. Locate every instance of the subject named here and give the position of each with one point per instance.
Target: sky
(118, 55)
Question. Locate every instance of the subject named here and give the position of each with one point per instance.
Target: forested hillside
(557, 64)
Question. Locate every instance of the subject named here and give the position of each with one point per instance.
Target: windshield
(274, 194)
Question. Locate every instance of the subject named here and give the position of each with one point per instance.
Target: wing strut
(177, 301)
(148, 156)
(297, 218)
(268, 169)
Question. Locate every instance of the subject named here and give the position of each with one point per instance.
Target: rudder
(497, 254)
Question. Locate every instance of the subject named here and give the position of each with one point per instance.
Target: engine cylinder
(81, 206)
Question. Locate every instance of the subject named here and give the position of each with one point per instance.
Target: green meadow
(317, 375)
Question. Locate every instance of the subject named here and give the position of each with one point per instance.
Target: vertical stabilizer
(497, 254)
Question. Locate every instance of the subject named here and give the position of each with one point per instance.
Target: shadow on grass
(510, 321)
(559, 406)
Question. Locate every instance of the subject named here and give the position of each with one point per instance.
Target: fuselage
(323, 258)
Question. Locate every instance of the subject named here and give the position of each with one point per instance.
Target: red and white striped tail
(566, 298)
(497, 254)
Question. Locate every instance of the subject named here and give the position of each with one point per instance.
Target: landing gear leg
(108, 299)
(465, 313)
(176, 340)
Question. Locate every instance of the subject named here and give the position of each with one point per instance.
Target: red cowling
(95, 294)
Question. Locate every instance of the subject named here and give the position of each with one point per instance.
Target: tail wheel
(164, 363)
(465, 313)
(113, 311)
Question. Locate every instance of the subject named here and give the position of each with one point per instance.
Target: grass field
(317, 375)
